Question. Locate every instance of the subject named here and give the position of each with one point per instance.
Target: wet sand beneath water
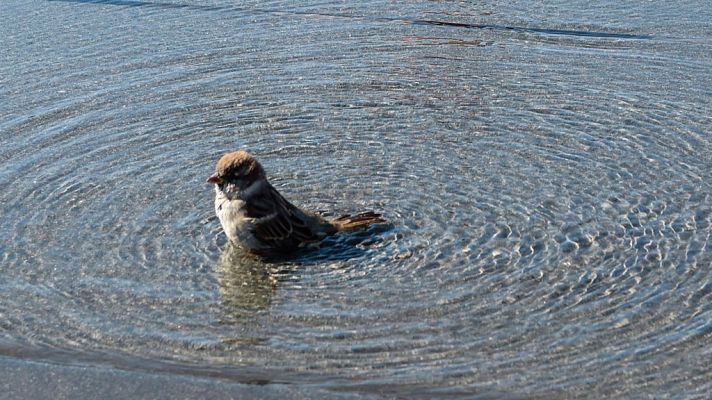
(35, 380)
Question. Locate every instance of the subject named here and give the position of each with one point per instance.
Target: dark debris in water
(431, 22)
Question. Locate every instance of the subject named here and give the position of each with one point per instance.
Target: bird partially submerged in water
(256, 217)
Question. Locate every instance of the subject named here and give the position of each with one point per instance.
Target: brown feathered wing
(281, 225)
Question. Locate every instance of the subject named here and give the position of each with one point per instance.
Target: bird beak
(215, 179)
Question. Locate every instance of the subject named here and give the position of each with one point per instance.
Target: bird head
(236, 172)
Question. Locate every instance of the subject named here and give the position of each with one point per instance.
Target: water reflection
(247, 283)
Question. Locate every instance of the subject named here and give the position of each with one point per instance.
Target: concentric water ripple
(546, 182)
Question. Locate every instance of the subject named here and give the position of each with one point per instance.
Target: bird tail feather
(347, 223)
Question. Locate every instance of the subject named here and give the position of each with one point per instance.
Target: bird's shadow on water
(339, 247)
(247, 282)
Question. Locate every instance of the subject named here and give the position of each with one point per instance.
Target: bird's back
(278, 225)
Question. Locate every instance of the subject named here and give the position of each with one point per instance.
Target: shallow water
(544, 166)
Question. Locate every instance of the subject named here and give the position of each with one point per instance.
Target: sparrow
(255, 216)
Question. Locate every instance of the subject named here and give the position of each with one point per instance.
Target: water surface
(544, 165)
